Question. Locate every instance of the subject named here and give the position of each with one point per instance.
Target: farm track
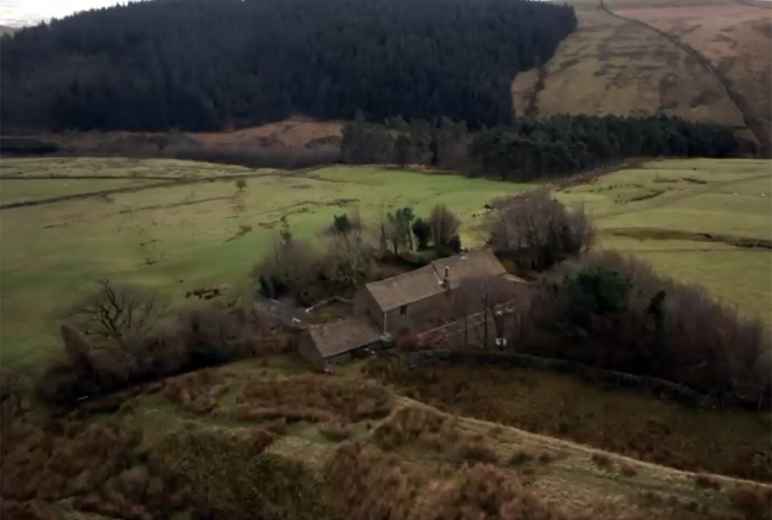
(518, 437)
(572, 476)
(750, 120)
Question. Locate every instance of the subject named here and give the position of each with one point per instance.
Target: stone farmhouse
(414, 301)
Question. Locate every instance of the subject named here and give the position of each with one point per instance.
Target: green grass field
(182, 236)
(199, 231)
(663, 212)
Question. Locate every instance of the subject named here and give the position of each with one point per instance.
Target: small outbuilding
(328, 343)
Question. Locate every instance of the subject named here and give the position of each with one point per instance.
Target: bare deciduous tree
(536, 231)
(444, 225)
(348, 259)
(116, 312)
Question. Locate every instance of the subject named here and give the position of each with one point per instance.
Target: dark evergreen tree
(210, 64)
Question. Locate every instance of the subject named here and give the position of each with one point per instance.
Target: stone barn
(329, 343)
(419, 299)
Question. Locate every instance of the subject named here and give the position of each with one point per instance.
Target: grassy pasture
(182, 236)
(192, 233)
(21, 191)
(682, 216)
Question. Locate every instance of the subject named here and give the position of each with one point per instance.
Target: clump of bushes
(407, 425)
(335, 431)
(475, 449)
(485, 491)
(601, 460)
(229, 475)
(297, 269)
(314, 398)
(371, 484)
(534, 231)
(616, 313)
(754, 502)
(520, 458)
(122, 335)
(433, 431)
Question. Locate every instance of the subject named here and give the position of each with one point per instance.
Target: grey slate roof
(339, 337)
(425, 282)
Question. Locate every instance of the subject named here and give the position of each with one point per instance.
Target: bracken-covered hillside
(702, 60)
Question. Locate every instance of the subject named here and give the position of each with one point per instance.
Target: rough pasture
(194, 230)
(700, 221)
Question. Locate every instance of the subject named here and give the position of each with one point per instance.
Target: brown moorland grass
(727, 442)
(209, 464)
(342, 400)
(378, 485)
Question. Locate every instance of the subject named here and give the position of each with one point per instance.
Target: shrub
(706, 482)
(625, 317)
(198, 336)
(598, 290)
(335, 431)
(601, 460)
(61, 383)
(755, 503)
(315, 398)
(476, 450)
(535, 231)
(484, 491)
(520, 458)
(407, 425)
(423, 233)
(369, 484)
(444, 226)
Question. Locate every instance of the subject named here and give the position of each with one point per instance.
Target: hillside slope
(735, 41)
(207, 65)
(263, 438)
(615, 64)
